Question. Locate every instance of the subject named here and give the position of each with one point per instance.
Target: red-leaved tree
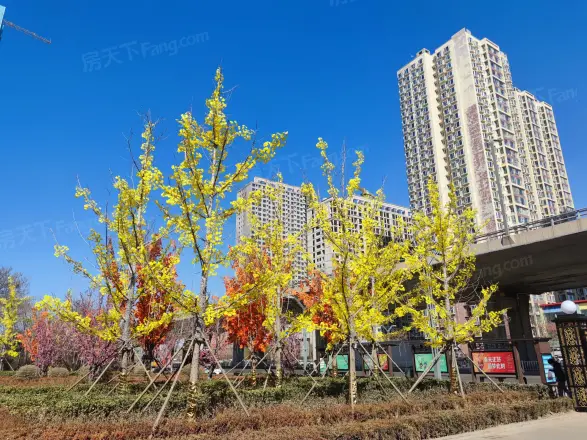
(310, 294)
(245, 326)
(154, 300)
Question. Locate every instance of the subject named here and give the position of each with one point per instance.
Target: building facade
(392, 218)
(465, 123)
(543, 166)
(538, 319)
(296, 216)
(293, 216)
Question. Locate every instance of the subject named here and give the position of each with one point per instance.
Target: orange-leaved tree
(244, 323)
(311, 294)
(155, 300)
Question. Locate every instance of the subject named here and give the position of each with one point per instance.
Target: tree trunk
(278, 350)
(334, 365)
(450, 353)
(254, 370)
(126, 342)
(452, 369)
(374, 369)
(199, 331)
(352, 395)
(199, 334)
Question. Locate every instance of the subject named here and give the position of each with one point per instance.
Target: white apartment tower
(391, 216)
(294, 211)
(465, 123)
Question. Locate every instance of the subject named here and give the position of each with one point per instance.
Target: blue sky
(311, 67)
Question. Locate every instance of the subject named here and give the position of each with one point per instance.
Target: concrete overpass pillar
(498, 302)
(520, 326)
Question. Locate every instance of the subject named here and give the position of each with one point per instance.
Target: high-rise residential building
(544, 168)
(538, 321)
(465, 123)
(393, 217)
(296, 215)
(294, 211)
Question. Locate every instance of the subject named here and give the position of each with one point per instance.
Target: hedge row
(51, 402)
(427, 425)
(426, 418)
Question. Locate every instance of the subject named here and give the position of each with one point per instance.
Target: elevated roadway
(547, 255)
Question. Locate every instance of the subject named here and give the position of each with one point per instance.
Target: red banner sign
(496, 362)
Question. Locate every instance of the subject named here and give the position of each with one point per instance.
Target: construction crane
(18, 28)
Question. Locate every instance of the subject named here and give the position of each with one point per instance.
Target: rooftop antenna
(18, 28)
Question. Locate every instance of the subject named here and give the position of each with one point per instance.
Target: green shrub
(58, 372)
(28, 372)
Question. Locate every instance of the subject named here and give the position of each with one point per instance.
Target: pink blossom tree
(93, 351)
(290, 354)
(52, 342)
(47, 341)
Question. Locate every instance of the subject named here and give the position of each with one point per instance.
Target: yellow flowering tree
(269, 257)
(122, 259)
(443, 260)
(196, 206)
(365, 281)
(8, 318)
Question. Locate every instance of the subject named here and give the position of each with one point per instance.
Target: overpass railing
(543, 223)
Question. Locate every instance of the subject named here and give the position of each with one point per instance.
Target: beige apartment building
(464, 122)
(293, 216)
(392, 217)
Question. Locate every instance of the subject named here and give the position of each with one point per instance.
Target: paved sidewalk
(568, 426)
